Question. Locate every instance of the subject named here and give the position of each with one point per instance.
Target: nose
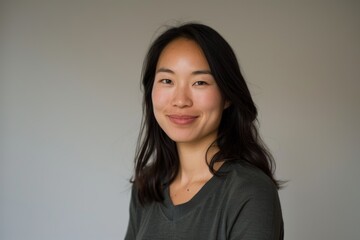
(182, 98)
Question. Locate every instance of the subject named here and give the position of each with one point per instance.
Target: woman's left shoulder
(252, 203)
(249, 179)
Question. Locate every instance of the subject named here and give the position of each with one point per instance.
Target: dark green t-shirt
(244, 204)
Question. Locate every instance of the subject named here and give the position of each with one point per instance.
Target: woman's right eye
(166, 81)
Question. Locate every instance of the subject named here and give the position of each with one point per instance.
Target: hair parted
(156, 158)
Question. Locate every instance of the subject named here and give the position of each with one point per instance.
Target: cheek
(159, 98)
(212, 101)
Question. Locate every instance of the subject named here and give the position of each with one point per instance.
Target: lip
(182, 119)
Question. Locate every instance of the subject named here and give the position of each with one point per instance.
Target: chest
(205, 221)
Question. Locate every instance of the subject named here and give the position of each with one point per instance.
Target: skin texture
(188, 106)
(187, 101)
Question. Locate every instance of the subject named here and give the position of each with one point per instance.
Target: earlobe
(227, 104)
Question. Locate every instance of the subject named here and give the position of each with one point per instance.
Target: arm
(133, 217)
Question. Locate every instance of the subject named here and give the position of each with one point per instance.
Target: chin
(181, 139)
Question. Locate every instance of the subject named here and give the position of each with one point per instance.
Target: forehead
(181, 42)
(182, 50)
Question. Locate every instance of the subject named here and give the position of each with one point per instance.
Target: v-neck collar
(174, 212)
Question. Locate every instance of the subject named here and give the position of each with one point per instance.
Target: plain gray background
(70, 105)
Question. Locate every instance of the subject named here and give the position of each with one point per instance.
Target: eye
(200, 83)
(166, 81)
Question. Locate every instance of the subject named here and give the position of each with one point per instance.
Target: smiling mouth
(182, 119)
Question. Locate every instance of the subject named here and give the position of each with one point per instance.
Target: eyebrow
(197, 72)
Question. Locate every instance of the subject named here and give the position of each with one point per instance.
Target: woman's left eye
(200, 83)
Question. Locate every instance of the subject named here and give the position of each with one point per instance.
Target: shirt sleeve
(133, 217)
(258, 217)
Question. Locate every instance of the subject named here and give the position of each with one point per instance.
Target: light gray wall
(70, 108)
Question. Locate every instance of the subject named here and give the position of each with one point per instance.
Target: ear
(227, 104)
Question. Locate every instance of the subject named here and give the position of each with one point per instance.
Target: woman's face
(187, 102)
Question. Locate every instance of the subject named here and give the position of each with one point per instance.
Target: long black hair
(156, 159)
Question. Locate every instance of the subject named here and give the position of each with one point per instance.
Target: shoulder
(252, 203)
(248, 181)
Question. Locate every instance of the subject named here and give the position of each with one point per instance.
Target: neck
(193, 161)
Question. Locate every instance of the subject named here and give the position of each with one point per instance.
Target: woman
(201, 170)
